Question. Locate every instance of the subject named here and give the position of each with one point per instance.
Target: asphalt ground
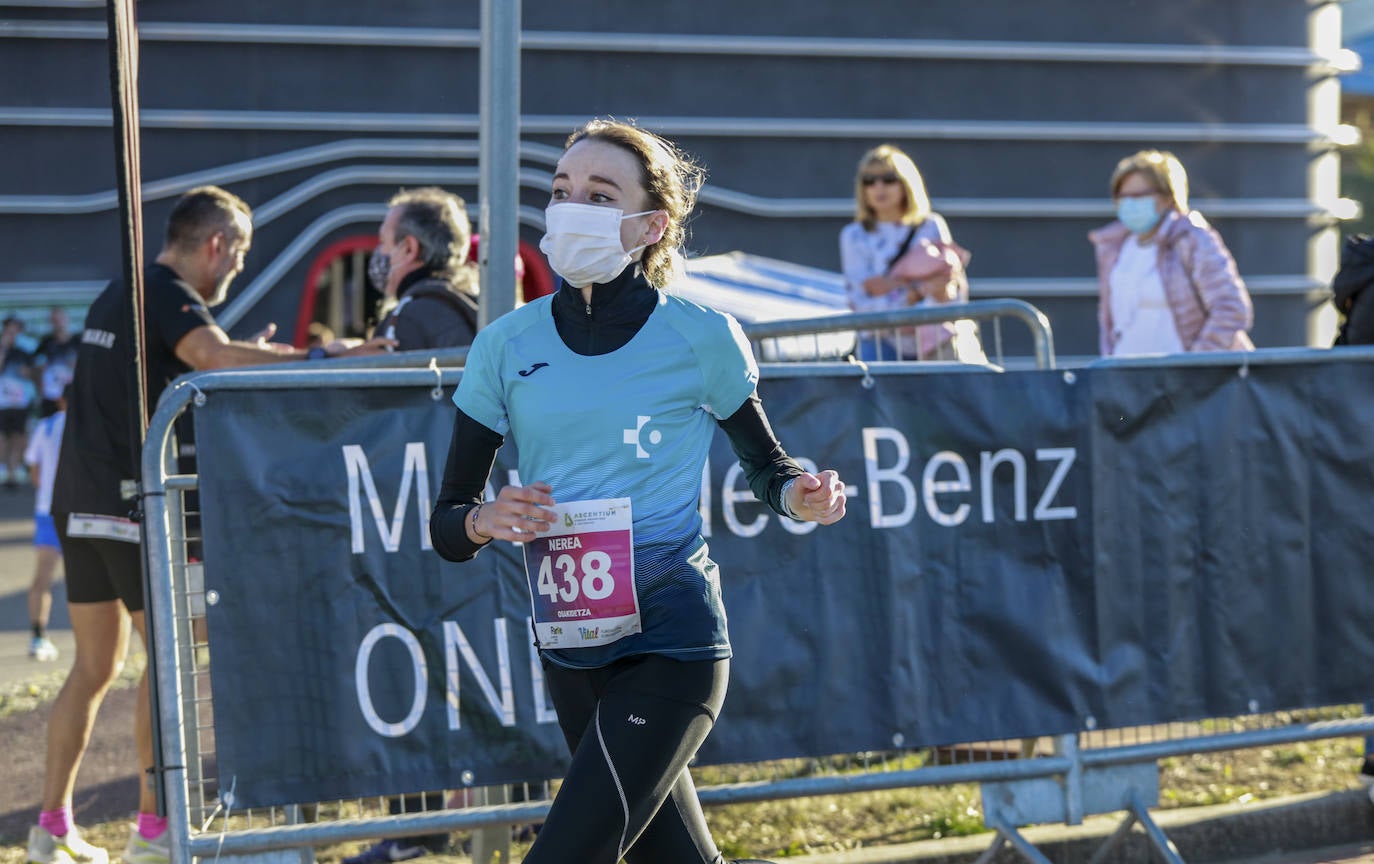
(107, 786)
(1336, 827)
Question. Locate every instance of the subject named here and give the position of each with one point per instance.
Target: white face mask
(582, 242)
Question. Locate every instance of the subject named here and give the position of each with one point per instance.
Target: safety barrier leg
(989, 853)
(1167, 850)
(1101, 856)
(185, 644)
(1007, 834)
(491, 844)
(295, 816)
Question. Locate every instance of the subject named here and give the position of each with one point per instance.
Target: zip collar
(616, 312)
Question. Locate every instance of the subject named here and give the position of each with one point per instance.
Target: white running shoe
(141, 850)
(42, 649)
(46, 848)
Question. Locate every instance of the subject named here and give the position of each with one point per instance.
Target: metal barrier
(833, 337)
(836, 337)
(1060, 779)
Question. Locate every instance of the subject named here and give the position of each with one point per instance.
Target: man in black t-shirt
(208, 235)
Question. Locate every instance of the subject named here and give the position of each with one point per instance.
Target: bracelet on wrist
(475, 529)
(782, 499)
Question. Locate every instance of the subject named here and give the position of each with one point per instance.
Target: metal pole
(123, 45)
(499, 146)
(1163, 845)
(1067, 746)
(123, 38)
(1323, 166)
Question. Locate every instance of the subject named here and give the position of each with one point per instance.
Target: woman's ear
(654, 228)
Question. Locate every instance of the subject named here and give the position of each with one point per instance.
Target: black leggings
(632, 728)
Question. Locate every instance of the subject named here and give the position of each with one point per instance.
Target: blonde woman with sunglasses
(892, 216)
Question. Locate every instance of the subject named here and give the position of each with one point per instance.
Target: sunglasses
(870, 179)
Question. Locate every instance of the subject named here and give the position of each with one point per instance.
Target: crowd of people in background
(34, 375)
(1167, 284)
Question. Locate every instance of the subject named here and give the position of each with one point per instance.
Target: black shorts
(14, 421)
(101, 569)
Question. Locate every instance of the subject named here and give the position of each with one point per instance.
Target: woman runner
(611, 389)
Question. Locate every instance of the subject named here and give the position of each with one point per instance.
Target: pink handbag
(937, 269)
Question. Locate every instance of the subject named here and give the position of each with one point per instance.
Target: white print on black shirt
(102, 338)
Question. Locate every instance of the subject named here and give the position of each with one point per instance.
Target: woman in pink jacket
(1166, 282)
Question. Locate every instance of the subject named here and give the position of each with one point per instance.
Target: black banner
(1025, 554)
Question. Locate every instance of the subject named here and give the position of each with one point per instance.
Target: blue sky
(1357, 24)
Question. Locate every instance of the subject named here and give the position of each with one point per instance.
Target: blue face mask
(1138, 214)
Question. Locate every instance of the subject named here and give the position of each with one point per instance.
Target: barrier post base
(491, 844)
(1091, 790)
(1007, 834)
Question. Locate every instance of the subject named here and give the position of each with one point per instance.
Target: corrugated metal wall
(1016, 112)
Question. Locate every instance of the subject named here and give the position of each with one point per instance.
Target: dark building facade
(315, 111)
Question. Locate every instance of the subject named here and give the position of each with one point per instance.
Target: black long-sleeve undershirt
(617, 311)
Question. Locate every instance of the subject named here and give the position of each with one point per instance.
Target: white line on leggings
(624, 805)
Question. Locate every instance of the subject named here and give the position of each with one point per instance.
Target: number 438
(596, 581)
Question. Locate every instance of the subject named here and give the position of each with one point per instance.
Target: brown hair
(199, 214)
(670, 179)
(1162, 169)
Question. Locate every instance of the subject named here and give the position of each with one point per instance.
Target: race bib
(582, 575)
(13, 392)
(56, 377)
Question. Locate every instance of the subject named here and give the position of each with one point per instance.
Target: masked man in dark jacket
(421, 267)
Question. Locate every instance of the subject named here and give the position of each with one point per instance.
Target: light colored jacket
(866, 253)
(1209, 301)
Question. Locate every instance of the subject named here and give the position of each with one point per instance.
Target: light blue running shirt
(634, 423)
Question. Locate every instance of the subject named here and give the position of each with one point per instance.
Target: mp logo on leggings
(581, 572)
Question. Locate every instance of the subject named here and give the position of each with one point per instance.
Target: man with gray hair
(421, 267)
